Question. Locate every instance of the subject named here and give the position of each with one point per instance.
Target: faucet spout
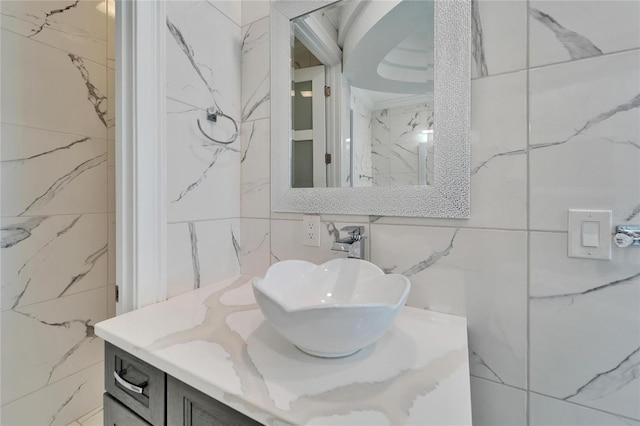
(353, 244)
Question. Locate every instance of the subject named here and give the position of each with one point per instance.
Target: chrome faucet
(353, 244)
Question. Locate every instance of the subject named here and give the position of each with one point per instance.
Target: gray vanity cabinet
(138, 394)
(116, 414)
(187, 406)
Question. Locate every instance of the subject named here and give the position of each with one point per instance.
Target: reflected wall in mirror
(371, 107)
(381, 55)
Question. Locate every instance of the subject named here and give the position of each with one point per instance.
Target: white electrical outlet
(311, 230)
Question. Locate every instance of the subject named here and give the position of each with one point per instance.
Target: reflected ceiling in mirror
(378, 129)
(392, 78)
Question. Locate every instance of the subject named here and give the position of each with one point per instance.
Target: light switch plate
(590, 234)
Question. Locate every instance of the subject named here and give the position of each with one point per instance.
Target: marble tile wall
(203, 42)
(397, 133)
(57, 180)
(555, 103)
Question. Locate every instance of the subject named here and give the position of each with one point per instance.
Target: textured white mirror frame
(449, 196)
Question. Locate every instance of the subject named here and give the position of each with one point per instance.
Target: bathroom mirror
(371, 107)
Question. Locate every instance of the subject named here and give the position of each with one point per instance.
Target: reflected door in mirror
(308, 146)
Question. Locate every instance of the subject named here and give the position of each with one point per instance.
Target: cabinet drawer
(136, 384)
(116, 414)
(187, 406)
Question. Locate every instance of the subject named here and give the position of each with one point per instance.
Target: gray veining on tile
(256, 91)
(51, 13)
(62, 182)
(13, 234)
(627, 280)
(189, 53)
(576, 44)
(476, 359)
(632, 104)
(236, 246)
(484, 163)
(97, 99)
(88, 337)
(203, 175)
(67, 401)
(436, 256)
(253, 104)
(51, 151)
(609, 381)
(90, 262)
(633, 213)
(246, 150)
(195, 257)
(47, 257)
(478, 43)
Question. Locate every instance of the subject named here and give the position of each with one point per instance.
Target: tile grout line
(585, 406)
(56, 298)
(84, 58)
(75, 135)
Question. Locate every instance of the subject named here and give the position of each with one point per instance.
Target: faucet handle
(354, 231)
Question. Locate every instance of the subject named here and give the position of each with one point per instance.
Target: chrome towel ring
(212, 115)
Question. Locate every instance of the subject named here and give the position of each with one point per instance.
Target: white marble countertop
(216, 340)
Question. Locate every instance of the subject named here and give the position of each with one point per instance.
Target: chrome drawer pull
(127, 385)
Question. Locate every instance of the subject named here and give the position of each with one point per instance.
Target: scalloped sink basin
(330, 310)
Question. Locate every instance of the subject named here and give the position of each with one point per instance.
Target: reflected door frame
(318, 131)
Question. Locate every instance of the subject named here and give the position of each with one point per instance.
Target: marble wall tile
(499, 152)
(111, 104)
(493, 404)
(286, 241)
(585, 334)
(478, 273)
(253, 10)
(585, 139)
(256, 168)
(111, 301)
(61, 341)
(111, 34)
(232, 9)
(73, 26)
(395, 135)
(51, 89)
(203, 178)
(254, 247)
(547, 411)
(201, 253)
(203, 57)
(59, 403)
(498, 156)
(256, 84)
(361, 136)
(499, 34)
(562, 31)
(111, 176)
(46, 172)
(48, 257)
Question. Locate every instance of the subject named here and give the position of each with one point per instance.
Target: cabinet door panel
(187, 406)
(116, 414)
(136, 384)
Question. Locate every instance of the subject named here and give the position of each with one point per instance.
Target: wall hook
(212, 115)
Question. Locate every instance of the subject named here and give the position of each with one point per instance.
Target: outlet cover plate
(311, 230)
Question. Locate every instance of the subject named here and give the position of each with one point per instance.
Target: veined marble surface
(216, 340)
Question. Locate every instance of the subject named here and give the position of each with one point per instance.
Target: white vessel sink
(330, 310)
